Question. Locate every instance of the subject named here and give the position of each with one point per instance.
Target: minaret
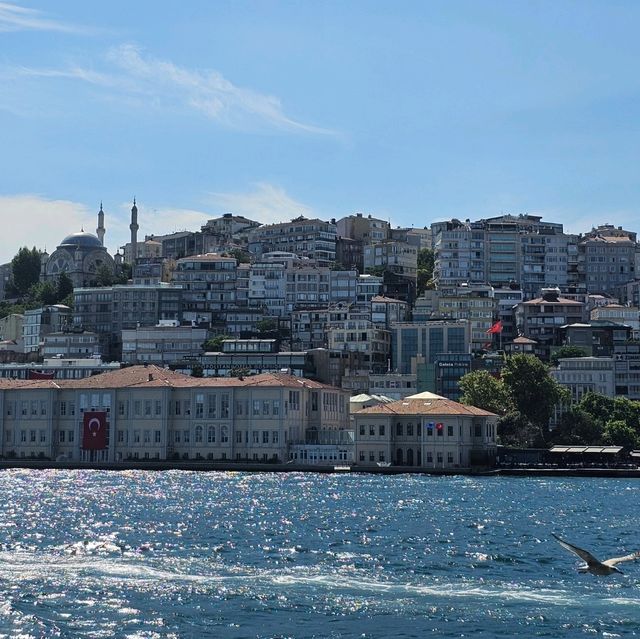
(100, 231)
(134, 231)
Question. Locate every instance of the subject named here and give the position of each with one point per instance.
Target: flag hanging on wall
(94, 430)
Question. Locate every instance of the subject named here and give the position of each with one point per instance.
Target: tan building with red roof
(426, 431)
(147, 412)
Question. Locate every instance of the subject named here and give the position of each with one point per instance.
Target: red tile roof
(410, 406)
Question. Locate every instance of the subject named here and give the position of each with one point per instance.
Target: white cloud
(31, 220)
(148, 82)
(267, 203)
(16, 18)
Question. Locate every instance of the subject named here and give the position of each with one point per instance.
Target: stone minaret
(100, 231)
(134, 232)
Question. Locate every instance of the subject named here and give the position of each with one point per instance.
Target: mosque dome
(81, 240)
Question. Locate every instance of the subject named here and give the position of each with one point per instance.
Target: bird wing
(585, 555)
(618, 560)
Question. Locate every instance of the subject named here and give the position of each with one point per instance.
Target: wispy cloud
(266, 203)
(144, 80)
(13, 17)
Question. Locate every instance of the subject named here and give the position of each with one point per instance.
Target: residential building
(42, 321)
(57, 368)
(314, 239)
(607, 258)
(540, 318)
(386, 311)
(163, 344)
(627, 315)
(71, 345)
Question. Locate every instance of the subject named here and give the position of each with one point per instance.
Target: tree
(532, 390)
(243, 257)
(43, 293)
(197, 370)
(25, 270)
(618, 433)
(567, 351)
(514, 429)
(214, 344)
(483, 390)
(578, 427)
(104, 276)
(426, 262)
(267, 324)
(64, 286)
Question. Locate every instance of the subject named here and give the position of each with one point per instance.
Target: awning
(562, 449)
(607, 450)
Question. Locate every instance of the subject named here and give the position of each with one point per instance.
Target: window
(224, 434)
(275, 407)
(450, 458)
(120, 436)
(61, 435)
(449, 431)
(255, 437)
(63, 409)
(199, 434)
(199, 406)
(43, 407)
(136, 436)
(224, 406)
(361, 455)
(439, 458)
(158, 407)
(410, 429)
(147, 407)
(382, 430)
(362, 429)
(147, 436)
(34, 407)
(176, 436)
(137, 407)
(265, 407)
(256, 407)
(274, 436)
(211, 435)
(178, 407)
(71, 436)
(186, 436)
(372, 430)
(478, 430)
(212, 405)
(239, 437)
(32, 436)
(265, 436)
(121, 412)
(399, 429)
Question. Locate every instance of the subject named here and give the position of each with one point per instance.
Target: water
(235, 555)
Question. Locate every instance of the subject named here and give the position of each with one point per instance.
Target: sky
(410, 111)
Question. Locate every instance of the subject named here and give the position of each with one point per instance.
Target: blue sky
(411, 111)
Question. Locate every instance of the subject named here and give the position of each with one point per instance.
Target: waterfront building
(425, 431)
(152, 413)
(597, 338)
(57, 368)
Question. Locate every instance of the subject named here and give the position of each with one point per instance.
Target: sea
(144, 554)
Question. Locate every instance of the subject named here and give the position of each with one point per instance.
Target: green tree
(618, 433)
(600, 407)
(43, 293)
(243, 257)
(64, 286)
(578, 427)
(104, 276)
(266, 324)
(483, 390)
(426, 262)
(533, 392)
(25, 270)
(567, 351)
(514, 429)
(197, 370)
(214, 344)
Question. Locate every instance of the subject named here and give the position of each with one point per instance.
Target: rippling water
(179, 554)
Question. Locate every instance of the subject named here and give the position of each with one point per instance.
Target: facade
(162, 345)
(386, 311)
(541, 318)
(228, 230)
(11, 327)
(153, 413)
(627, 315)
(209, 288)
(425, 431)
(71, 344)
(607, 258)
(582, 375)
(314, 239)
(42, 321)
(505, 250)
(57, 368)
(431, 340)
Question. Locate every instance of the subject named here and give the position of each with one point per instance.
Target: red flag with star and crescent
(495, 328)
(94, 430)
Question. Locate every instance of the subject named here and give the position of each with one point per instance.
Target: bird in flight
(593, 565)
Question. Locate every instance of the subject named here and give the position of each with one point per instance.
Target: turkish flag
(94, 431)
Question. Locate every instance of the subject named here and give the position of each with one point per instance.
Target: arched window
(199, 432)
(211, 435)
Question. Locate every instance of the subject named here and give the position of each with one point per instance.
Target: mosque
(83, 255)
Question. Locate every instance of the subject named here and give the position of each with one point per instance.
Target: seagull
(593, 565)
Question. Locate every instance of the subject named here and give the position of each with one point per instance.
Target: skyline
(412, 113)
